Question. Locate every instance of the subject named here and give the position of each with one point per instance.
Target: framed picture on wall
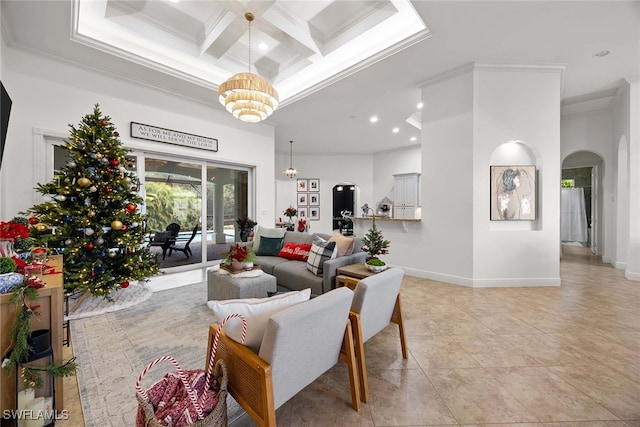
(303, 199)
(314, 214)
(314, 184)
(314, 199)
(302, 212)
(302, 185)
(513, 193)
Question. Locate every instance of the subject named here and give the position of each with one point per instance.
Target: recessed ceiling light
(602, 53)
(373, 119)
(420, 105)
(395, 130)
(413, 139)
(263, 46)
(174, 1)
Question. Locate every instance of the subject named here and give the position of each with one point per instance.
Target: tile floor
(562, 356)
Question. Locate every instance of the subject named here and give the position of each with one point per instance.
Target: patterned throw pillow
(320, 252)
(295, 251)
(269, 246)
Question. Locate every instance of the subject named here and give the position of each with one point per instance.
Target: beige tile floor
(563, 356)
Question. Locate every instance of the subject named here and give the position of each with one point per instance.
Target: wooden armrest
(351, 283)
(250, 381)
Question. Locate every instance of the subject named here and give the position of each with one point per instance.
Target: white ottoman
(223, 285)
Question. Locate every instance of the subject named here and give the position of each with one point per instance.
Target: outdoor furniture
(185, 249)
(165, 239)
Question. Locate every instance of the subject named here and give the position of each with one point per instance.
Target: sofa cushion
(266, 232)
(295, 251)
(295, 276)
(267, 263)
(298, 237)
(320, 252)
(269, 246)
(257, 311)
(343, 243)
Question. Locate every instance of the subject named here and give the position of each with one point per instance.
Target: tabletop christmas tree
(90, 212)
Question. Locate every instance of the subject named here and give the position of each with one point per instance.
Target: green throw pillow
(269, 246)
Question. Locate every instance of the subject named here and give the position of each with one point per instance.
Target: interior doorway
(581, 204)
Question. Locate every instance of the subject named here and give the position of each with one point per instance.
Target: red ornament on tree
(90, 246)
(33, 220)
(116, 133)
(107, 190)
(109, 170)
(103, 123)
(131, 208)
(124, 284)
(124, 227)
(114, 163)
(134, 188)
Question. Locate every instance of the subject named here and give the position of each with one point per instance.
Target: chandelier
(248, 96)
(291, 172)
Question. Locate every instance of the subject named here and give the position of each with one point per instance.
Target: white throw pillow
(257, 311)
(266, 232)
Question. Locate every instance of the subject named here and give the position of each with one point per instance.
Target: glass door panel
(173, 199)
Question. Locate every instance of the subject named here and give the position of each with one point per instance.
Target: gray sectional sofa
(292, 275)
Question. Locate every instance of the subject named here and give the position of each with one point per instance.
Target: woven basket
(216, 418)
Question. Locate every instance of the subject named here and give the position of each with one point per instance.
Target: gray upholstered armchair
(300, 343)
(376, 304)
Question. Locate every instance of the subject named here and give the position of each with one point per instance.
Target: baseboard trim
(484, 283)
(630, 275)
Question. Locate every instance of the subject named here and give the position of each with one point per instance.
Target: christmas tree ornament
(116, 225)
(103, 123)
(68, 242)
(134, 188)
(99, 269)
(67, 218)
(116, 133)
(93, 189)
(107, 190)
(61, 198)
(98, 155)
(114, 163)
(134, 224)
(109, 170)
(47, 199)
(112, 253)
(33, 220)
(99, 241)
(131, 208)
(124, 284)
(71, 164)
(90, 246)
(84, 182)
(89, 231)
(98, 141)
(127, 180)
(41, 227)
(91, 213)
(124, 227)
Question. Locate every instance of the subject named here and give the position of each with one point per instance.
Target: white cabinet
(406, 195)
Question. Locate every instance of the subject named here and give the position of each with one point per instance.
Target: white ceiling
(190, 47)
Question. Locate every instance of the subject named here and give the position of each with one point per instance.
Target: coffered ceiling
(335, 63)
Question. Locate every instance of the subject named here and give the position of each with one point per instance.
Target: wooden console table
(51, 317)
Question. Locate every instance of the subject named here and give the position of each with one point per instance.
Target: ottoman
(222, 285)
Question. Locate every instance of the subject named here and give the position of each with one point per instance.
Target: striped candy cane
(192, 394)
(214, 346)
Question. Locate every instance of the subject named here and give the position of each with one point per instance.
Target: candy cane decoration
(192, 394)
(214, 346)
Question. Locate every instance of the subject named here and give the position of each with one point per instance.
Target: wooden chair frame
(250, 378)
(356, 326)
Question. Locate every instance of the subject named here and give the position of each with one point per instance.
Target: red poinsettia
(10, 230)
(238, 252)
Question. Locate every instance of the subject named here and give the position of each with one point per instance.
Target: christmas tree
(373, 242)
(90, 213)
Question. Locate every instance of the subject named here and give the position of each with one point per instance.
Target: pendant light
(291, 172)
(248, 96)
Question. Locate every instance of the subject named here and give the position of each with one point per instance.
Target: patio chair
(185, 249)
(165, 239)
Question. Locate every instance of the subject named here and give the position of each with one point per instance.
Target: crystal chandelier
(291, 172)
(248, 96)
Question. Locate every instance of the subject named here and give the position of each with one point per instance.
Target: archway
(582, 204)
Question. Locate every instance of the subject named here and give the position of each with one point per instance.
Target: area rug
(86, 305)
(111, 351)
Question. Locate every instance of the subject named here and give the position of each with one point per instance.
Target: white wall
(50, 95)
(330, 170)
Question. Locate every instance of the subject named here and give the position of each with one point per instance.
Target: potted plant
(240, 257)
(374, 244)
(245, 224)
(290, 212)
